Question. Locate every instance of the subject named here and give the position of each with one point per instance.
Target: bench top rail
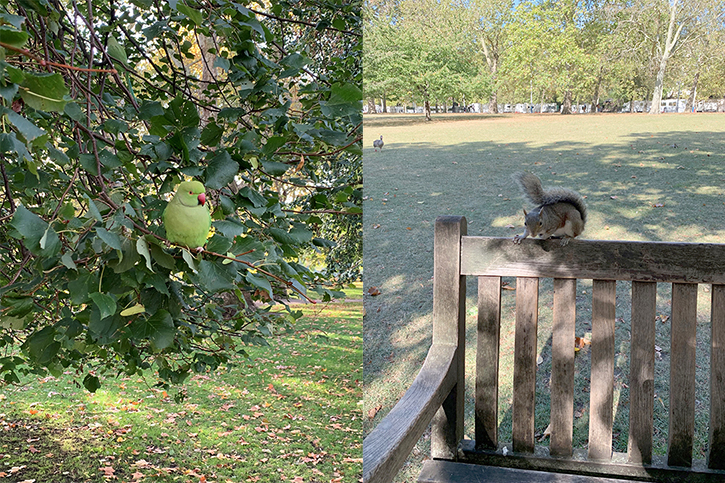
(594, 259)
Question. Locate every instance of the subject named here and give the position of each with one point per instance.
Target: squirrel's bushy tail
(531, 187)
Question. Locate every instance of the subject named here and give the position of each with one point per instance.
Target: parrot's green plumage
(186, 218)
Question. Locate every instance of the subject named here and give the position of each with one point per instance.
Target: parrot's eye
(191, 192)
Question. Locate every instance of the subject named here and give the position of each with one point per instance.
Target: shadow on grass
(653, 184)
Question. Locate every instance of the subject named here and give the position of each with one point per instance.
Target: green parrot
(186, 218)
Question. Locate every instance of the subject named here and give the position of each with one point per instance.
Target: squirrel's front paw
(518, 238)
(565, 241)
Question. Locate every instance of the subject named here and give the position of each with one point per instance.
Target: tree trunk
(595, 99)
(371, 106)
(659, 85)
(491, 54)
(692, 100)
(427, 110)
(208, 73)
(566, 106)
(670, 43)
(385, 104)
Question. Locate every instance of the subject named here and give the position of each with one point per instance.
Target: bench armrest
(387, 447)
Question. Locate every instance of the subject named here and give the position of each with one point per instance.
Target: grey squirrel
(559, 211)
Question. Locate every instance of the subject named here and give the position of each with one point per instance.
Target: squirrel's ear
(525, 212)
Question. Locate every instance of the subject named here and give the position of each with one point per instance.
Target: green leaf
(41, 346)
(159, 329)
(110, 238)
(105, 303)
(13, 37)
(281, 236)
(91, 382)
(129, 256)
(67, 260)
(273, 144)
(189, 259)
(260, 282)
(44, 92)
(88, 162)
(218, 244)
(17, 306)
(33, 229)
(229, 228)
(193, 15)
(9, 143)
(143, 249)
(221, 170)
(345, 93)
(275, 168)
(8, 92)
(136, 309)
(74, 111)
(161, 257)
(215, 276)
(211, 134)
(14, 20)
(93, 209)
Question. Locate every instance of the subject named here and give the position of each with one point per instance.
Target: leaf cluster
(106, 107)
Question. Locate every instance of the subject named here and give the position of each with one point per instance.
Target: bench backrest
(685, 265)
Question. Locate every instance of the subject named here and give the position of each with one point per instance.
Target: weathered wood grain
(617, 467)
(716, 455)
(387, 447)
(489, 326)
(641, 372)
(562, 367)
(449, 327)
(448, 472)
(595, 259)
(682, 374)
(524, 395)
(602, 379)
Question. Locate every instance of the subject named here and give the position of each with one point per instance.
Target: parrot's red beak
(202, 199)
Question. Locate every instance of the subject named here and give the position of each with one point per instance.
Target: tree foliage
(106, 107)
(549, 51)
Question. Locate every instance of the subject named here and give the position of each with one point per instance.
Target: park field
(644, 178)
(288, 413)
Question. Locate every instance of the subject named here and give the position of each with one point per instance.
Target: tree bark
(491, 54)
(566, 105)
(208, 72)
(385, 104)
(427, 110)
(371, 106)
(692, 100)
(670, 42)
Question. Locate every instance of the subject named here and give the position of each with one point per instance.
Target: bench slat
(562, 367)
(602, 376)
(524, 396)
(682, 374)
(641, 372)
(449, 472)
(489, 327)
(594, 259)
(716, 457)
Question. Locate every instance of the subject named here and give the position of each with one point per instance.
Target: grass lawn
(289, 413)
(644, 178)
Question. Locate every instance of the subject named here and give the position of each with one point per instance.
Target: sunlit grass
(290, 411)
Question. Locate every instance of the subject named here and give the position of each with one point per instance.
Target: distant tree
(547, 51)
(489, 23)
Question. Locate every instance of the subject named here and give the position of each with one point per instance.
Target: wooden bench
(437, 394)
